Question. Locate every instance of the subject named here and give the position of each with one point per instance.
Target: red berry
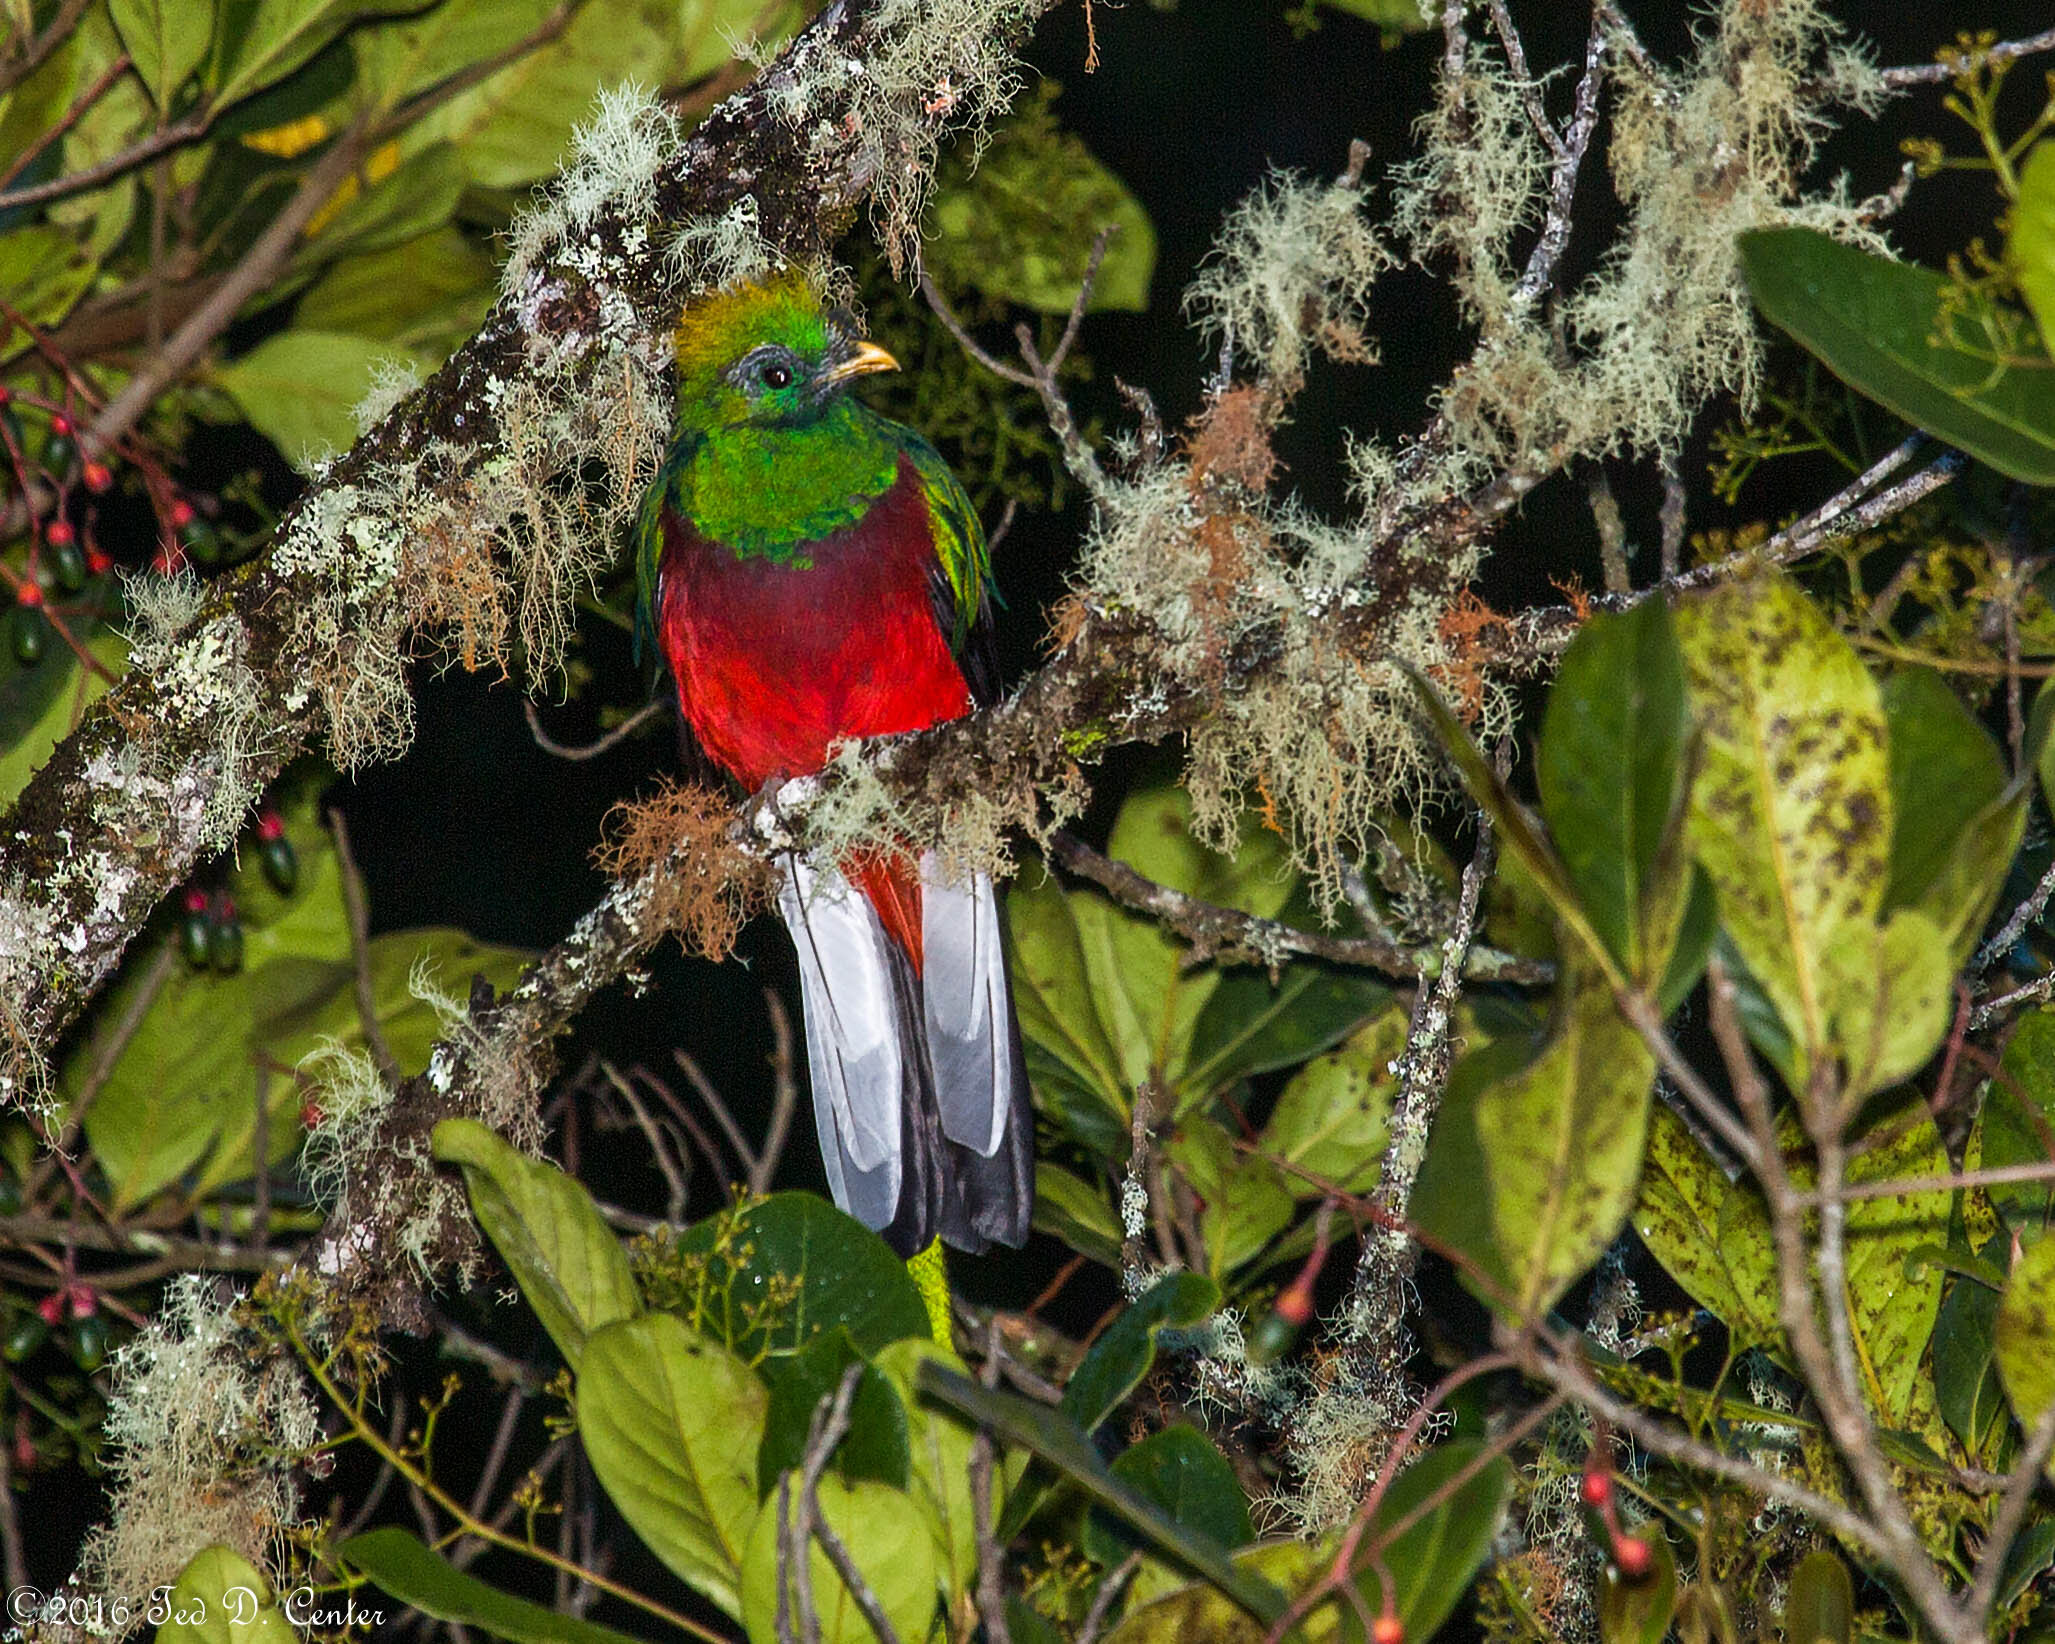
(1631, 1554)
(6, 395)
(25, 1456)
(270, 825)
(61, 425)
(59, 533)
(30, 592)
(51, 1308)
(97, 561)
(311, 1116)
(1295, 1307)
(97, 475)
(196, 900)
(1597, 1487)
(181, 513)
(226, 909)
(168, 560)
(85, 1301)
(1387, 1629)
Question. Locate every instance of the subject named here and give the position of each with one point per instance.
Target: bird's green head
(769, 354)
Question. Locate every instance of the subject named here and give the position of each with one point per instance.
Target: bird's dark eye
(777, 376)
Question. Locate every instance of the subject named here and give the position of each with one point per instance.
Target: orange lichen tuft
(707, 886)
(1574, 595)
(1472, 631)
(1230, 439)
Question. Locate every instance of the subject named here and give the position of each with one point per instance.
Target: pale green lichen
(615, 159)
(202, 1443)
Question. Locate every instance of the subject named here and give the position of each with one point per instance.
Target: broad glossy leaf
(1077, 1213)
(1610, 768)
(1051, 1435)
(1434, 1559)
(1252, 1025)
(40, 706)
(402, 199)
(44, 270)
(1639, 1611)
(1182, 1472)
(833, 1269)
(2031, 248)
(300, 389)
(1124, 1353)
(888, 1540)
(1076, 1070)
(875, 1447)
(1163, 1610)
(423, 1580)
(1819, 1608)
(1332, 1117)
(1873, 322)
(1020, 226)
(1531, 1172)
(1944, 769)
(1711, 1233)
(548, 1231)
(2019, 1125)
(166, 40)
(408, 54)
(1791, 809)
(257, 42)
(1893, 1297)
(671, 1423)
(220, 1597)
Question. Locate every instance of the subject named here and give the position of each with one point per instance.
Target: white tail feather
(963, 976)
(852, 1036)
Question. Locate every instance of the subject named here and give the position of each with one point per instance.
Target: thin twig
(830, 1425)
(1568, 150)
(1213, 929)
(676, 1173)
(2015, 926)
(1957, 64)
(54, 34)
(785, 1095)
(591, 750)
(1107, 1596)
(2035, 992)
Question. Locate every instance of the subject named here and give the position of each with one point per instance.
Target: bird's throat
(769, 492)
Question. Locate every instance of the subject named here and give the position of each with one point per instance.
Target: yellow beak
(864, 358)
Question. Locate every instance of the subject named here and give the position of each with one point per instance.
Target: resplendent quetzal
(811, 572)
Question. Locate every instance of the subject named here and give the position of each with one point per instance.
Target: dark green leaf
(1873, 322)
(424, 1580)
(1181, 1471)
(1253, 1026)
(1434, 1559)
(1123, 1355)
(1945, 767)
(834, 1269)
(1820, 1607)
(1610, 768)
(1061, 1443)
(1965, 1371)
(2019, 1125)
(1247, 1198)
(567, 1262)
(876, 1445)
(1077, 1213)
(166, 40)
(1697, 929)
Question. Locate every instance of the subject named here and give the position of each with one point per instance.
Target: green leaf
(415, 198)
(1874, 322)
(1698, 927)
(1944, 769)
(1433, 1560)
(671, 1423)
(1076, 1213)
(43, 270)
(1184, 1474)
(1966, 1386)
(220, 1597)
(424, 1580)
(1791, 809)
(1020, 227)
(257, 42)
(412, 52)
(1893, 1297)
(1710, 1233)
(1252, 1025)
(1051, 1435)
(545, 1226)
(1609, 772)
(41, 706)
(2019, 1125)
(300, 389)
(2026, 1325)
(1820, 1605)
(1332, 1118)
(887, 1540)
(780, 1270)
(939, 1444)
(1246, 1197)
(1639, 1612)
(1531, 1173)
(1075, 1069)
(875, 1447)
(1126, 1351)
(166, 40)
(2030, 249)
(423, 296)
